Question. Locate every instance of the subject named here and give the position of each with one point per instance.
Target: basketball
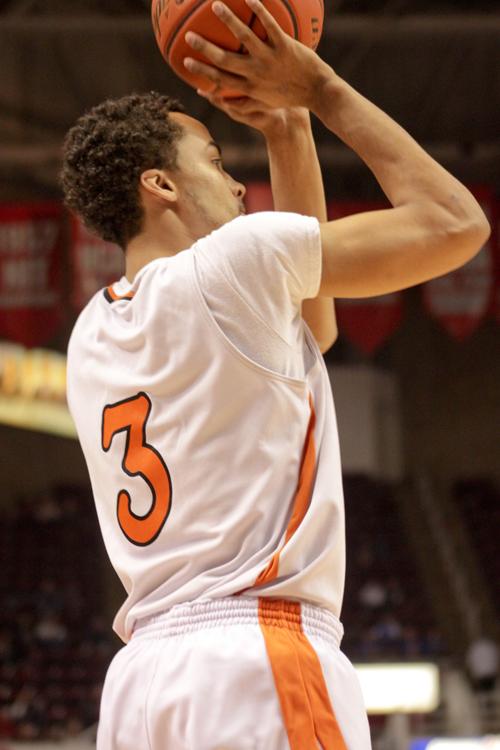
(301, 19)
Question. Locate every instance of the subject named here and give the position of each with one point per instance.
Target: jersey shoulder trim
(111, 296)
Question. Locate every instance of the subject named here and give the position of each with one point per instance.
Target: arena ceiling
(432, 66)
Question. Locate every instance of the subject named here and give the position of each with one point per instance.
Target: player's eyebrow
(215, 145)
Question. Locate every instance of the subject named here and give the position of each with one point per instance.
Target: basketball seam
(180, 25)
(292, 16)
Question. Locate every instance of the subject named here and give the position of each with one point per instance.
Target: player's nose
(238, 189)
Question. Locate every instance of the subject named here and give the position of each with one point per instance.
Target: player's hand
(281, 72)
(270, 121)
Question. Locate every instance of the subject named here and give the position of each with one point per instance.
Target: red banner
(495, 312)
(30, 272)
(259, 197)
(368, 323)
(96, 264)
(462, 299)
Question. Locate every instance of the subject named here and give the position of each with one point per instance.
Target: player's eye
(219, 163)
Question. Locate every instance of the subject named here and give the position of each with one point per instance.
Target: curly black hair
(105, 153)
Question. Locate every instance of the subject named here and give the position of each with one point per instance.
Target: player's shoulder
(263, 227)
(85, 318)
(243, 226)
(266, 219)
(96, 307)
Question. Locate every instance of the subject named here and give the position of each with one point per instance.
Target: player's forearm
(406, 173)
(296, 179)
(297, 186)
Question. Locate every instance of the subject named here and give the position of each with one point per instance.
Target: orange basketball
(301, 19)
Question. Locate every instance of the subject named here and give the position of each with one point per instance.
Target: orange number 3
(140, 459)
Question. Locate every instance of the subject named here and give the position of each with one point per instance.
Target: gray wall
(449, 397)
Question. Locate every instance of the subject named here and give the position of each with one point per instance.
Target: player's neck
(158, 241)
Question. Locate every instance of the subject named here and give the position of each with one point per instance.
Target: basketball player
(203, 404)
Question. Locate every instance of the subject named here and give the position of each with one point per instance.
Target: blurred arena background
(416, 375)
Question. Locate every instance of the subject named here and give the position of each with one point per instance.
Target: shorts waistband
(242, 610)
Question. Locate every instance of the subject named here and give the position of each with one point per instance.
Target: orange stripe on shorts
(305, 704)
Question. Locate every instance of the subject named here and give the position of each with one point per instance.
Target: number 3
(140, 459)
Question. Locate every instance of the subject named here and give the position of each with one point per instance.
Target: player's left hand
(268, 120)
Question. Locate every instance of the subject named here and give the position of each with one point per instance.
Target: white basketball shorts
(236, 673)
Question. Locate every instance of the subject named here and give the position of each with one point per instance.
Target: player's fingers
(210, 97)
(204, 94)
(243, 105)
(274, 31)
(219, 77)
(236, 26)
(237, 104)
(230, 61)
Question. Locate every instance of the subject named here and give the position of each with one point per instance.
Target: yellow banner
(33, 390)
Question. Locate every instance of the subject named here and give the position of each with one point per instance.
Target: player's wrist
(288, 125)
(325, 87)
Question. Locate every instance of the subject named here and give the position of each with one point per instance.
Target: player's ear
(157, 183)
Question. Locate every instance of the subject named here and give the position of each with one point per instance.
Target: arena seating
(55, 644)
(386, 612)
(478, 500)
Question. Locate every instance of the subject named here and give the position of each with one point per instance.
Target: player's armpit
(319, 314)
(383, 251)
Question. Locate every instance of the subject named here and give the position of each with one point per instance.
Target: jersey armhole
(209, 317)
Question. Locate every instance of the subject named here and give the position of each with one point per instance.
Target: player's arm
(435, 224)
(297, 186)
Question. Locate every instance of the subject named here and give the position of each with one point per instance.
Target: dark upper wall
(436, 75)
(141, 7)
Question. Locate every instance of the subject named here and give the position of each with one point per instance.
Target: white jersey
(213, 474)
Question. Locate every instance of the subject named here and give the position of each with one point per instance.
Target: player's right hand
(281, 72)
(270, 121)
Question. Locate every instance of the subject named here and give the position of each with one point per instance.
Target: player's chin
(230, 216)
(238, 211)
(234, 213)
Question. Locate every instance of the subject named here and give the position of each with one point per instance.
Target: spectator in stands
(432, 643)
(51, 631)
(7, 645)
(395, 595)
(74, 726)
(46, 510)
(388, 633)
(482, 663)
(7, 726)
(373, 594)
(28, 731)
(98, 631)
(364, 555)
(411, 643)
(20, 708)
(49, 598)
